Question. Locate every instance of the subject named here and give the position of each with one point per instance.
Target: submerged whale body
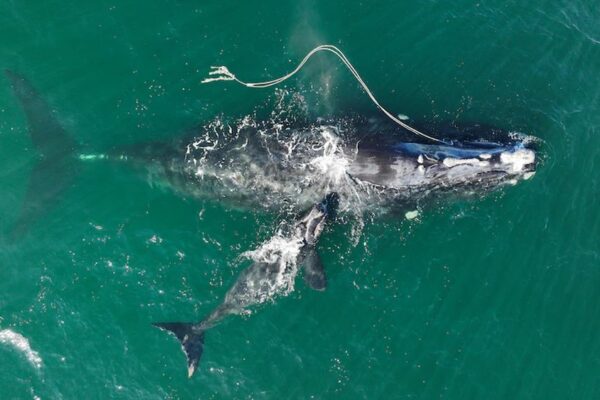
(55, 167)
(361, 165)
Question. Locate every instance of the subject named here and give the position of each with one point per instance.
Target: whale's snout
(520, 160)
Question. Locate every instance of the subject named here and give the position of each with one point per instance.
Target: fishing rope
(221, 73)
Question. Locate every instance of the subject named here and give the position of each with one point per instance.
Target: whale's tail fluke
(55, 168)
(191, 339)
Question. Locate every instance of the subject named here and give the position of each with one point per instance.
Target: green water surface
(494, 298)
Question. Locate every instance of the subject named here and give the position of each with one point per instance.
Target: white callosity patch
(21, 344)
(518, 159)
(512, 162)
(452, 162)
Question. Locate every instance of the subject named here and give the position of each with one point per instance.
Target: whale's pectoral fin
(54, 170)
(192, 341)
(314, 273)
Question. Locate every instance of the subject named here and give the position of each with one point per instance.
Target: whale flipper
(55, 168)
(192, 341)
(314, 273)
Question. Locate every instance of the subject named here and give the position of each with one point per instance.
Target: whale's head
(312, 224)
(479, 164)
(466, 167)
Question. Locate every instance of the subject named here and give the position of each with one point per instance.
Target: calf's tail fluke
(191, 339)
(54, 170)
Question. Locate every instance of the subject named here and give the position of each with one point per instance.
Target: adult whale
(264, 279)
(268, 164)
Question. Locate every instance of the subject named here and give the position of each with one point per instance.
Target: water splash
(281, 251)
(21, 344)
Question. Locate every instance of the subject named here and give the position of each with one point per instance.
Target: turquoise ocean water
(491, 298)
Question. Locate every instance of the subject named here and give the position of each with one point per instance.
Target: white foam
(20, 343)
(89, 157)
(332, 162)
(154, 239)
(284, 252)
(523, 138)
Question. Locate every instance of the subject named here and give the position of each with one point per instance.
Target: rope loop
(221, 73)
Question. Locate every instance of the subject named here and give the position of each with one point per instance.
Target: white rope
(223, 74)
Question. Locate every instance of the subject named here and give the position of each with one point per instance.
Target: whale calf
(263, 279)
